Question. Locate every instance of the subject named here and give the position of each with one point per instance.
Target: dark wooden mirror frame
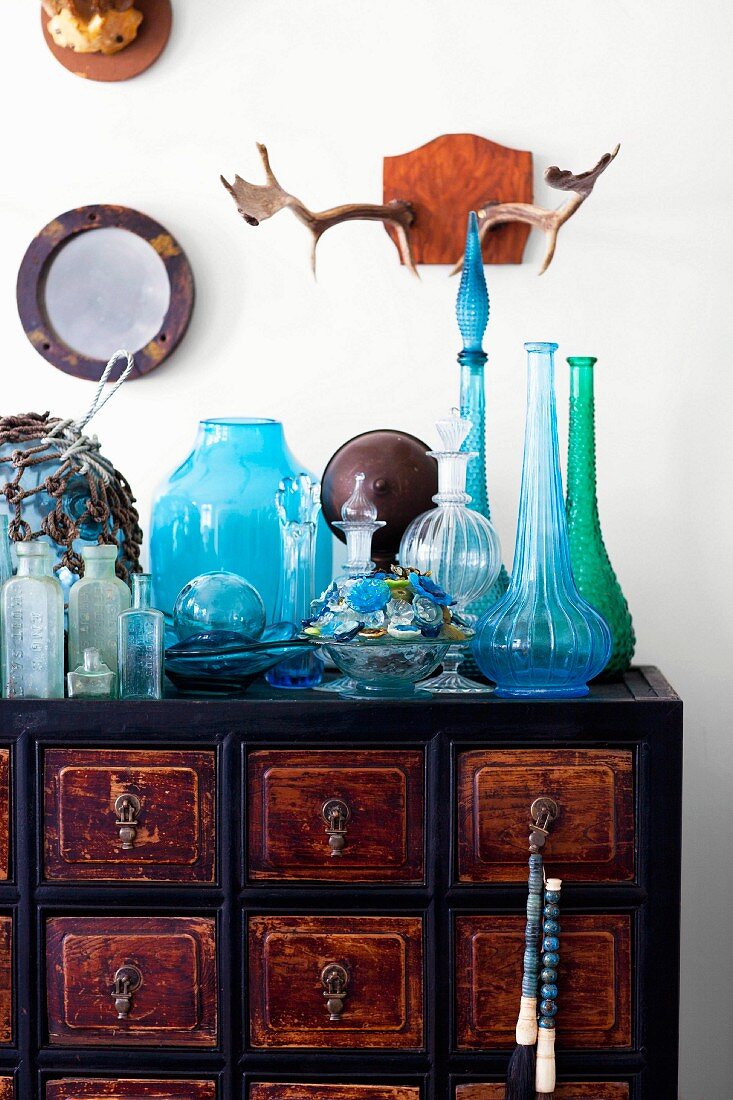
(32, 278)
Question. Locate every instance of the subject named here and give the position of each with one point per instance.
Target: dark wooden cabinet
(290, 896)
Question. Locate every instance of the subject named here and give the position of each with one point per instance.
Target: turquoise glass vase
(542, 639)
(217, 512)
(472, 314)
(592, 568)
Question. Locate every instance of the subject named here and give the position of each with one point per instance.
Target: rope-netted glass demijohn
(592, 568)
(542, 638)
(472, 314)
(456, 545)
(359, 523)
(298, 502)
(140, 633)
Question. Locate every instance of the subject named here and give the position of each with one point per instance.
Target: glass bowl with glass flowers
(385, 631)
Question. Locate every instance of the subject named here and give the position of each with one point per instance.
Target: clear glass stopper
(359, 522)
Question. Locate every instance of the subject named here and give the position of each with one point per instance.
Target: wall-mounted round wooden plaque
(102, 278)
(151, 40)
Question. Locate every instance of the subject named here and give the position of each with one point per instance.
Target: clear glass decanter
(359, 523)
(95, 604)
(6, 560)
(140, 632)
(541, 639)
(298, 503)
(93, 679)
(458, 546)
(32, 614)
(472, 314)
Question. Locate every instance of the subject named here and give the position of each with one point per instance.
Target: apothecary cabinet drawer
(347, 982)
(595, 977)
(353, 816)
(85, 1088)
(118, 815)
(593, 839)
(131, 980)
(6, 980)
(564, 1090)
(6, 1088)
(283, 1091)
(4, 816)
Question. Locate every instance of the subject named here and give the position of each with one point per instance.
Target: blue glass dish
(221, 662)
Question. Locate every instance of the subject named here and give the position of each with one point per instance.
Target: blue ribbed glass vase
(541, 639)
(472, 314)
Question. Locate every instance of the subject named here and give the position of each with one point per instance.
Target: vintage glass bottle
(140, 633)
(32, 612)
(542, 639)
(298, 503)
(95, 604)
(592, 569)
(455, 544)
(6, 560)
(472, 314)
(93, 679)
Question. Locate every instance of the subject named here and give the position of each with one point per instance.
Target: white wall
(642, 279)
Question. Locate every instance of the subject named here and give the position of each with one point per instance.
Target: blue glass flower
(424, 586)
(369, 594)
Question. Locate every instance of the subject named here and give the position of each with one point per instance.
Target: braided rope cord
(110, 503)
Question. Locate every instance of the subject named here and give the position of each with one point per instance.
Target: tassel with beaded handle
(548, 989)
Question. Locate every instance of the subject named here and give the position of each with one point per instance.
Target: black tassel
(545, 1096)
(520, 1074)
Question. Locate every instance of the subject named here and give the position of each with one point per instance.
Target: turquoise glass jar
(217, 511)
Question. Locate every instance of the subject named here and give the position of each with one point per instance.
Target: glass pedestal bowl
(385, 668)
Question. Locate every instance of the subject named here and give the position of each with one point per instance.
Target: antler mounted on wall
(257, 202)
(549, 221)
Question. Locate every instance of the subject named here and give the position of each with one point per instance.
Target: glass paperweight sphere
(456, 545)
(542, 639)
(219, 601)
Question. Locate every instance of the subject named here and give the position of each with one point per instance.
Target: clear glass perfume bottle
(359, 523)
(6, 561)
(298, 501)
(93, 679)
(95, 603)
(140, 633)
(456, 545)
(32, 612)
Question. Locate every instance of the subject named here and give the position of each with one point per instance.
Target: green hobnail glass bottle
(594, 575)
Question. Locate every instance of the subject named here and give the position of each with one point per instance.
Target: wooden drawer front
(127, 1089)
(593, 839)
(6, 980)
(382, 957)
(173, 836)
(595, 980)
(267, 1091)
(383, 793)
(4, 817)
(175, 1004)
(565, 1090)
(6, 1088)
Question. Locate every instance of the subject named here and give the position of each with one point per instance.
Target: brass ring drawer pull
(127, 808)
(128, 980)
(335, 813)
(335, 979)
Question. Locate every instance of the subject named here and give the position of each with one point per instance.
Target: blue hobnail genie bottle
(542, 638)
(472, 314)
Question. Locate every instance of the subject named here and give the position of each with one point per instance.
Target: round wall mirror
(102, 278)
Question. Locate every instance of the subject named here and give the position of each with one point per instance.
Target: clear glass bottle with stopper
(32, 613)
(93, 679)
(359, 523)
(298, 502)
(95, 604)
(140, 634)
(456, 545)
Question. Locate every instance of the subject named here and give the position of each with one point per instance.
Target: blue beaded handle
(548, 990)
